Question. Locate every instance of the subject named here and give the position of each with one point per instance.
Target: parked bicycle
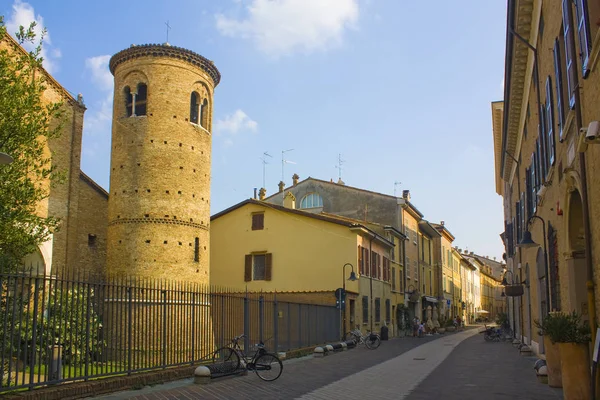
(371, 340)
(494, 334)
(267, 365)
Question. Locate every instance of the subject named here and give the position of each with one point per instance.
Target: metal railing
(55, 330)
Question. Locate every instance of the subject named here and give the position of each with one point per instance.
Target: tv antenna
(168, 28)
(339, 166)
(284, 161)
(395, 186)
(265, 161)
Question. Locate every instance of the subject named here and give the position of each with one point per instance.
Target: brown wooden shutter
(248, 268)
(360, 267)
(268, 266)
(367, 265)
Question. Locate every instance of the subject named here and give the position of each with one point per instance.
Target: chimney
(442, 223)
(281, 186)
(262, 193)
(494, 258)
(289, 201)
(295, 178)
(340, 182)
(460, 251)
(471, 253)
(406, 195)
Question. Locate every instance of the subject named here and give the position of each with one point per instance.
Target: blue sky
(401, 89)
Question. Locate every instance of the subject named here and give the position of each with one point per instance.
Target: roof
(426, 227)
(53, 82)
(335, 219)
(93, 184)
(443, 230)
(166, 50)
(497, 127)
(348, 187)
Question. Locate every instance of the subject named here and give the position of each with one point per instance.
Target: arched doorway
(575, 256)
(540, 262)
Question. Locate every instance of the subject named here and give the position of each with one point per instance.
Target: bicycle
(370, 340)
(267, 366)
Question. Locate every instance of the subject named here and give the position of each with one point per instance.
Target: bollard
(319, 352)
(202, 375)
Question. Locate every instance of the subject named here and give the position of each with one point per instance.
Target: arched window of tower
(128, 101)
(141, 99)
(194, 107)
(204, 114)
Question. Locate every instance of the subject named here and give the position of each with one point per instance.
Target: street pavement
(450, 366)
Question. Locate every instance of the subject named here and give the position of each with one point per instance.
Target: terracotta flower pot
(575, 369)
(553, 363)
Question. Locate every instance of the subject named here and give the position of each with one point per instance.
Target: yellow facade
(258, 246)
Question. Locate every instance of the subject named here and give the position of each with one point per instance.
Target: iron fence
(55, 330)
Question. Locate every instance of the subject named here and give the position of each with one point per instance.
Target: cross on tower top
(168, 28)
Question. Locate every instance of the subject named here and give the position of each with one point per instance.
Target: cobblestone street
(455, 366)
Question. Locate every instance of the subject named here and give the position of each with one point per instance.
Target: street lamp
(352, 278)
(527, 242)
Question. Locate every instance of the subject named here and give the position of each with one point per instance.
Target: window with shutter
(393, 278)
(518, 217)
(259, 267)
(583, 30)
(360, 259)
(258, 221)
(248, 268)
(528, 190)
(407, 267)
(523, 217)
(559, 88)
(387, 310)
(569, 52)
(373, 264)
(550, 142)
(540, 141)
(268, 266)
(365, 309)
(367, 264)
(377, 309)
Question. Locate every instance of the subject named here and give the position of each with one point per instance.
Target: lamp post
(527, 242)
(352, 278)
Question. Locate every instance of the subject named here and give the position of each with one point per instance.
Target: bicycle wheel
(268, 367)
(228, 357)
(372, 341)
(350, 336)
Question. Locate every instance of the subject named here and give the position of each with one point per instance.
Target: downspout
(371, 316)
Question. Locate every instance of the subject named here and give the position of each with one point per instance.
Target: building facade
(546, 155)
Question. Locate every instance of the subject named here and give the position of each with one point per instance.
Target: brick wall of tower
(160, 173)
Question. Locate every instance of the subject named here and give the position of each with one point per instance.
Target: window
(311, 200)
(365, 309)
(393, 278)
(91, 240)
(361, 266)
(128, 101)
(569, 52)
(204, 114)
(377, 309)
(258, 267)
(407, 267)
(550, 143)
(141, 99)
(393, 240)
(388, 310)
(258, 221)
(583, 29)
(559, 88)
(197, 250)
(194, 107)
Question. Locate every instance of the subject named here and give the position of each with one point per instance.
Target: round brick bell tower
(159, 204)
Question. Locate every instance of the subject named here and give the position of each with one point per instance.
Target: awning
(430, 299)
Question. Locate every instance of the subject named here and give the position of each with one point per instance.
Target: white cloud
(101, 75)
(281, 27)
(23, 15)
(234, 123)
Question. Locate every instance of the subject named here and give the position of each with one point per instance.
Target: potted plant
(547, 327)
(450, 325)
(572, 337)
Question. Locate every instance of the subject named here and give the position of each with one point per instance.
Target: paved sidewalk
(477, 369)
(451, 366)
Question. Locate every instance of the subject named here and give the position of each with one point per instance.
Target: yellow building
(430, 299)
(546, 161)
(258, 246)
(443, 251)
(457, 279)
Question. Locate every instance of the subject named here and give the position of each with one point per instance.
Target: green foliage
(63, 317)
(564, 328)
(26, 124)
(502, 319)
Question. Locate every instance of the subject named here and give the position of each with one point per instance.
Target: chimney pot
(262, 193)
(281, 186)
(295, 178)
(255, 193)
(406, 194)
(442, 223)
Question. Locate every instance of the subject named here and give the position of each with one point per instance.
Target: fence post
(275, 325)
(299, 326)
(164, 330)
(34, 330)
(193, 326)
(261, 317)
(289, 325)
(129, 328)
(246, 324)
(87, 330)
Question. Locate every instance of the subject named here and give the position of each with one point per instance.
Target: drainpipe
(371, 316)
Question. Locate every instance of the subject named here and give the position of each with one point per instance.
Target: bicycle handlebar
(235, 339)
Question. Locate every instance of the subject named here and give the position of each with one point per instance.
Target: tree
(27, 122)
